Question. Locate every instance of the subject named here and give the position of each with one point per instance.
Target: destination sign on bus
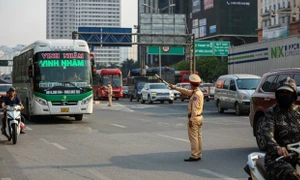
(67, 59)
(62, 63)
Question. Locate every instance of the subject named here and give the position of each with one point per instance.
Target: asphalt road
(129, 141)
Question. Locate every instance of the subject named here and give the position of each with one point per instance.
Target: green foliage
(209, 68)
(181, 65)
(127, 65)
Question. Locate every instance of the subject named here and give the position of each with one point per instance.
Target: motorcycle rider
(11, 99)
(281, 127)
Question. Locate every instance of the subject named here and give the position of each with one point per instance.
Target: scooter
(13, 122)
(255, 167)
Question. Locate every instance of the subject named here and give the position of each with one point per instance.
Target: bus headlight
(40, 101)
(86, 100)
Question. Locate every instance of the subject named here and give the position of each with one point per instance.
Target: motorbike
(14, 124)
(255, 167)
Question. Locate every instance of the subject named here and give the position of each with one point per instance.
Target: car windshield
(140, 85)
(247, 83)
(4, 88)
(158, 86)
(125, 87)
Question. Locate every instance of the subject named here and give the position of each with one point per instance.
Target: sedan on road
(156, 92)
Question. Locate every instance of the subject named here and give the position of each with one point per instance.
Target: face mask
(285, 102)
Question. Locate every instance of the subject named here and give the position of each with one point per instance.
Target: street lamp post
(159, 48)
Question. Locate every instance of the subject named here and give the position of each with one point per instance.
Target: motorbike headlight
(40, 101)
(86, 100)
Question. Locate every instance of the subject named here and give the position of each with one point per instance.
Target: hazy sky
(24, 21)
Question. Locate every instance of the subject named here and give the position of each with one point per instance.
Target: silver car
(156, 92)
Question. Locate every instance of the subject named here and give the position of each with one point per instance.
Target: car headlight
(244, 96)
(86, 100)
(154, 93)
(40, 101)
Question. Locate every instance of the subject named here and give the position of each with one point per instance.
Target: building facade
(65, 16)
(224, 20)
(277, 19)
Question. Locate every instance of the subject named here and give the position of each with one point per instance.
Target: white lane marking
(59, 146)
(175, 138)
(45, 141)
(144, 120)
(117, 125)
(5, 178)
(163, 123)
(216, 174)
(98, 174)
(28, 128)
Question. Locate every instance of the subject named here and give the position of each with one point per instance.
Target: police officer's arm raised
(182, 90)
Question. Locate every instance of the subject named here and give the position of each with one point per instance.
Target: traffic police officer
(110, 93)
(195, 118)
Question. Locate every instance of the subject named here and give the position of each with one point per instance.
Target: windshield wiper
(67, 82)
(50, 88)
(115, 84)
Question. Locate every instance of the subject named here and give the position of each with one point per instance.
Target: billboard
(275, 33)
(162, 24)
(208, 4)
(196, 32)
(196, 6)
(195, 23)
(212, 29)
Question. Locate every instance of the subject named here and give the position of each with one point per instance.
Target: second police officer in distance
(195, 118)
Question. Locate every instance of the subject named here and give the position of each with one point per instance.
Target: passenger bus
(54, 77)
(109, 75)
(182, 76)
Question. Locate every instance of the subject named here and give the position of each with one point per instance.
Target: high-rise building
(277, 19)
(65, 16)
(224, 20)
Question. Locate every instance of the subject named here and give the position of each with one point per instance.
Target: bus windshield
(116, 80)
(59, 67)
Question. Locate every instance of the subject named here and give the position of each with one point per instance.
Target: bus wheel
(78, 117)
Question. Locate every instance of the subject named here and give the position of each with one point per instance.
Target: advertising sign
(202, 30)
(196, 6)
(195, 23)
(202, 22)
(196, 32)
(212, 29)
(208, 4)
(238, 2)
(274, 33)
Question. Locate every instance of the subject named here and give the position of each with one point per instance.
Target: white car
(156, 92)
(176, 94)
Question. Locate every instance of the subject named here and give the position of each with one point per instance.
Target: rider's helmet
(11, 89)
(286, 93)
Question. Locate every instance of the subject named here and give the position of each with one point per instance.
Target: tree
(127, 65)
(181, 65)
(209, 68)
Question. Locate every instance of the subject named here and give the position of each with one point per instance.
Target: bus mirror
(30, 74)
(94, 73)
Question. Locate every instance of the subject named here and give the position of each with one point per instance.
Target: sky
(24, 21)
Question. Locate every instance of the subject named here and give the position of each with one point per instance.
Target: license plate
(64, 109)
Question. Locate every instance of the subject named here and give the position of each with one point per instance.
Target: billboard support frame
(189, 41)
